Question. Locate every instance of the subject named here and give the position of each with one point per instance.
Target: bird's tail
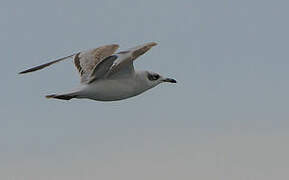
(62, 96)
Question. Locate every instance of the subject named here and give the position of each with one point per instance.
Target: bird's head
(152, 79)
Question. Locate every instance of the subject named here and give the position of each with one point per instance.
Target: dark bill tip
(170, 80)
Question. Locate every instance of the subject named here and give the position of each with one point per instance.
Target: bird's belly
(110, 90)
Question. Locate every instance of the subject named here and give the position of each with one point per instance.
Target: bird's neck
(141, 81)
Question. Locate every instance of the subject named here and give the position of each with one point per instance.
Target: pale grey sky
(227, 118)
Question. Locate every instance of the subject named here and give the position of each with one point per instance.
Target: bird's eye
(153, 77)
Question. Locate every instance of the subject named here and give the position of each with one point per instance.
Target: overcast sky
(226, 118)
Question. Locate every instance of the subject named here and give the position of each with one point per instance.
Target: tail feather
(61, 96)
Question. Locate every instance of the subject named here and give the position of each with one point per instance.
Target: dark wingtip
(50, 96)
(45, 65)
(23, 72)
(36, 68)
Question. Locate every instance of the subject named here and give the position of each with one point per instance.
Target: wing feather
(86, 62)
(90, 63)
(127, 58)
(36, 68)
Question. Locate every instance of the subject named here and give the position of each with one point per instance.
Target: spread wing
(87, 61)
(36, 68)
(118, 65)
(124, 63)
(101, 62)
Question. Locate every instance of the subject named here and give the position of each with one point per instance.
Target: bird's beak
(170, 80)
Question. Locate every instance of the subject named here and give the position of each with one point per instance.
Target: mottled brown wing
(86, 61)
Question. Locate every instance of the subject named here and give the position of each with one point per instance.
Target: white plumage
(108, 76)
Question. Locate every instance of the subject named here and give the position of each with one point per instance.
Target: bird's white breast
(111, 90)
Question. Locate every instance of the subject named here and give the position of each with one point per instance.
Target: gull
(108, 76)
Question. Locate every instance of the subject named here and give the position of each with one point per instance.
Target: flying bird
(108, 76)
